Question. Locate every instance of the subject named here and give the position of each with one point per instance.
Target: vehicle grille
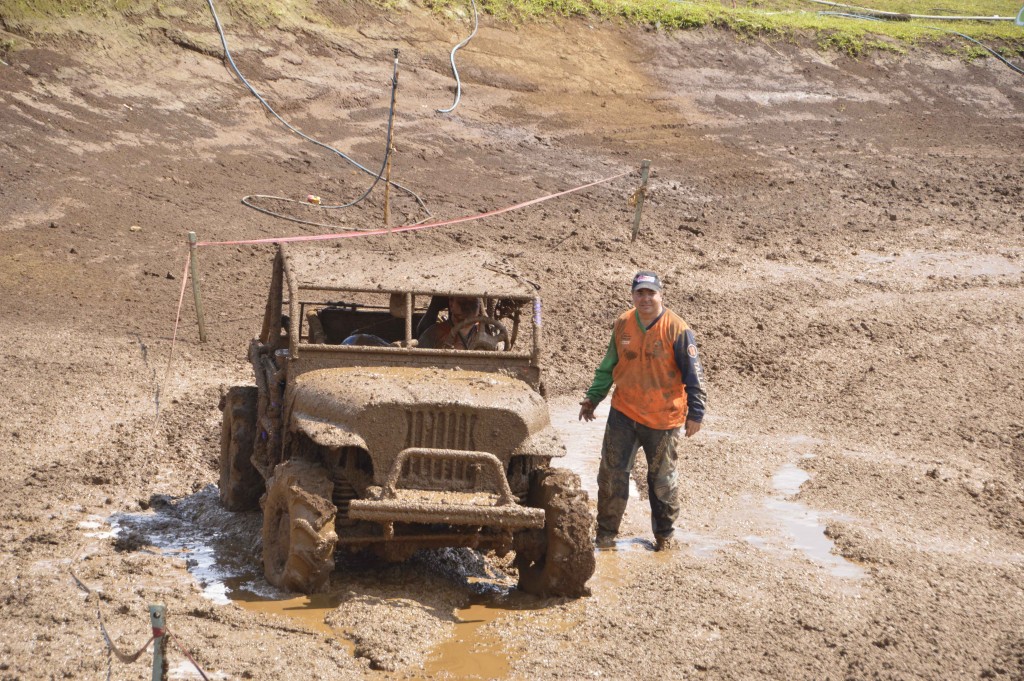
(434, 473)
(440, 429)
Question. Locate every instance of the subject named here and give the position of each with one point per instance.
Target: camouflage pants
(622, 438)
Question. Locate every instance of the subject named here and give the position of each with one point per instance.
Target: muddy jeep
(390, 447)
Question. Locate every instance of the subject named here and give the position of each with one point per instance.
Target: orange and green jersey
(656, 370)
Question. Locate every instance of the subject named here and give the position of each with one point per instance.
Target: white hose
(458, 82)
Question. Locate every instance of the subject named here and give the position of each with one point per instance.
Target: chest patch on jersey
(691, 350)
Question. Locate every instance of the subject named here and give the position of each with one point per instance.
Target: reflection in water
(804, 525)
(309, 611)
(217, 545)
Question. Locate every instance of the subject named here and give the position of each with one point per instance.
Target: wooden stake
(640, 194)
(193, 267)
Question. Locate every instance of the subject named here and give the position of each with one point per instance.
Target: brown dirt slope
(847, 238)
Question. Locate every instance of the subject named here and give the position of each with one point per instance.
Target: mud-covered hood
(387, 410)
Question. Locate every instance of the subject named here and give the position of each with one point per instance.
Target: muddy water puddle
(474, 651)
(804, 526)
(583, 456)
(309, 612)
(219, 548)
(220, 552)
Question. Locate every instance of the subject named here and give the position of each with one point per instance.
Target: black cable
(982, 45)
(377, 178)
(871, 17)
(291, 128)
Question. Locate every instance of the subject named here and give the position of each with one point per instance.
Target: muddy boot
(666, 543)
(605, 540)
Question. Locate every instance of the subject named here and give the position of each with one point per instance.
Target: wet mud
(843, 235)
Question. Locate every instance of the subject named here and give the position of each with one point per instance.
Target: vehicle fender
(326, 434)
(545, 442)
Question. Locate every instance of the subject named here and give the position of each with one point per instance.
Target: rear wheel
(298, 527)
(560, 558)
(241, 485)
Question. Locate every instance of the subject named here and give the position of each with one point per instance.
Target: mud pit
(845, 236)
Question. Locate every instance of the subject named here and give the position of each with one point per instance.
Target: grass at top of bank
(784, 18)
(773, 19)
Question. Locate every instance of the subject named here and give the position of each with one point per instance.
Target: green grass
(785, 19)
(789, 20)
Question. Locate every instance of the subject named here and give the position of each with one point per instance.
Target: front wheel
(298, 527)
(558, 560)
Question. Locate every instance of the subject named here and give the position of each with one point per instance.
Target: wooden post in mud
(641, 192)
(158, 620)
(391, 152)
(193, 269)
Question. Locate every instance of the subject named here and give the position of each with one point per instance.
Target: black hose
(376, 176)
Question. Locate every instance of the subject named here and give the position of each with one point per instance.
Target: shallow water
(583, 456)
(804, 527)
(473, 651)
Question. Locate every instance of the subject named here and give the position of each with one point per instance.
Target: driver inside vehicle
(456, 332)
(463, 330)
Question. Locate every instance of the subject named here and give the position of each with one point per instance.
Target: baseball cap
(646, 279)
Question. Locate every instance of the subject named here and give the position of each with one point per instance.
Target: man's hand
(692, 427)
(587, 410)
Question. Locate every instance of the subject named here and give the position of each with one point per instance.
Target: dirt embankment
(845, 236)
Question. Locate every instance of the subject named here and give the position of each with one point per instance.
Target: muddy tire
(298, 527)
(241, 485)
(562, 561)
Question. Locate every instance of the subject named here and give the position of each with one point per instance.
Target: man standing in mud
(659, 390)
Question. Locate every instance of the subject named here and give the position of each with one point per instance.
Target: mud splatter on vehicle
(357, 436)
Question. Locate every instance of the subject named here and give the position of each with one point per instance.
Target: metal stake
(391, 153)
(158, 620)
(194, 273)
(640, 194)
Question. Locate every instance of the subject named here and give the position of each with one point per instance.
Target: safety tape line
(411, 228)
(111, 646)
(174, 338)
(129, 658)
(184, 652)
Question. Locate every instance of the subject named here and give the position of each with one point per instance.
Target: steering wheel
(490, 333)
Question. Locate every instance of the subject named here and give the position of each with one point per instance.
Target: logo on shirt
(691, 350)
(625, 339)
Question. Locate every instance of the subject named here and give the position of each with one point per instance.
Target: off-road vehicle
(392, 447)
